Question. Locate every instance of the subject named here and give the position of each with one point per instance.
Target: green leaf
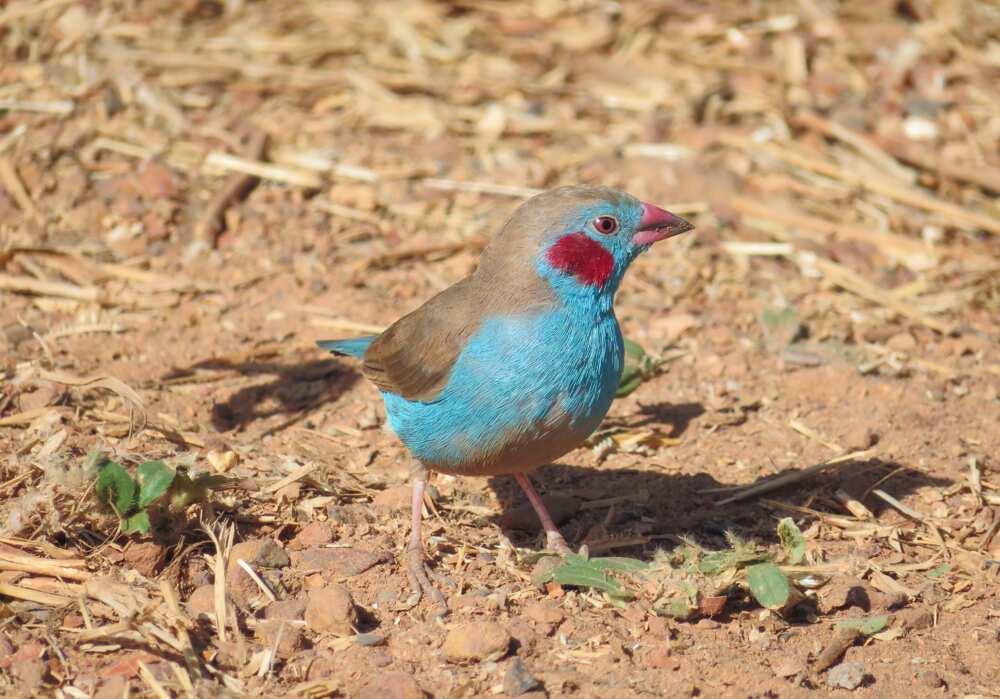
(154, 479)
(769, 586)
(866, 625)
(782, 326)
(792, 541)
(628, 565)
(638, 366)
(115, 486)
(139, 522)
(630, 381)
(577, 571)
(939, 572)
(187, 491)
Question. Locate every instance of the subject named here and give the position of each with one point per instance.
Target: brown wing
(414, 356)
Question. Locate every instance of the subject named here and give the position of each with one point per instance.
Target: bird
(517, 364)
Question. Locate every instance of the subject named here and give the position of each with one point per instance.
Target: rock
(286, 609)
(338, 562)
(915, 618)
(476, 642)
(332, 610)
(145, 556)
(546, 613)
(289, 635)
(259, 554)
(787, 667)
(392, 685)
(844, 591)
(523, 633)
(848, 676)
(902, 342)
(394, 499)
(202, 601)
(222, 461)
(313, 534)
(660, 658)
(518, 679)
(523, 517)
(370, 639)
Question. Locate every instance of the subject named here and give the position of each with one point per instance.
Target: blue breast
(526, 389)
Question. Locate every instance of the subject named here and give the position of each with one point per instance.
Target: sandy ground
(192, 193)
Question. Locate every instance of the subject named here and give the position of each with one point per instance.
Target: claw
(416, 568)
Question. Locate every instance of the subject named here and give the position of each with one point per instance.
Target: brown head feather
(414, 356)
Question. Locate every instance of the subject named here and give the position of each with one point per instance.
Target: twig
(151, 682)
(257, 579)
(908, 511)
(295, 475)
(906, 195)
(33, 595)
(10, 282)
(849, 280)
(793, 477)
(859, 142)
(10, 181)
(237, 187)
(984, 178)
(264, 171)
(26, 9)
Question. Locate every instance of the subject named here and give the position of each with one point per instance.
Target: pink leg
(416, 569)
(554, 540)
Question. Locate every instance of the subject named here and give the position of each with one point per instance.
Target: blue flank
(529, 387)
(355, 347)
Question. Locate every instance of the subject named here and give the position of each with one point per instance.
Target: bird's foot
(417, 572)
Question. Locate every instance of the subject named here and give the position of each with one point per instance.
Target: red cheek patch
(585, 259)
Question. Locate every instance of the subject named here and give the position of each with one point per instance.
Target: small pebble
(476, 642)
(392, 685)
(369, 639)
(331, 609)
(848, 676)
(518, 678)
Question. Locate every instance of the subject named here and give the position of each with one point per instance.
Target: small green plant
(639, 366)
(691, 580)
(156, 489)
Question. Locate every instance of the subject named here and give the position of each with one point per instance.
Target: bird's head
(583, 238)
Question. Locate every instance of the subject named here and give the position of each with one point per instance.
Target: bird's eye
(606, 224)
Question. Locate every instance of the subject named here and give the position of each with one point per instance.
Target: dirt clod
(287, 609)
(313, 534)
(145, 556)
(848, 676)
(331, 610)
(202, 601)
(476, 642)
(395, 499)
(289, 635)
(392, 685)
(915, 618)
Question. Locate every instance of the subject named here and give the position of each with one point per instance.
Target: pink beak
(657, 224)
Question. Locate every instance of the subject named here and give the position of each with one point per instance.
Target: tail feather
(354, 347)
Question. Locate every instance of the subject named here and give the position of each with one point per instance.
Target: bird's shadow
(655, 509)
(294, 390)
